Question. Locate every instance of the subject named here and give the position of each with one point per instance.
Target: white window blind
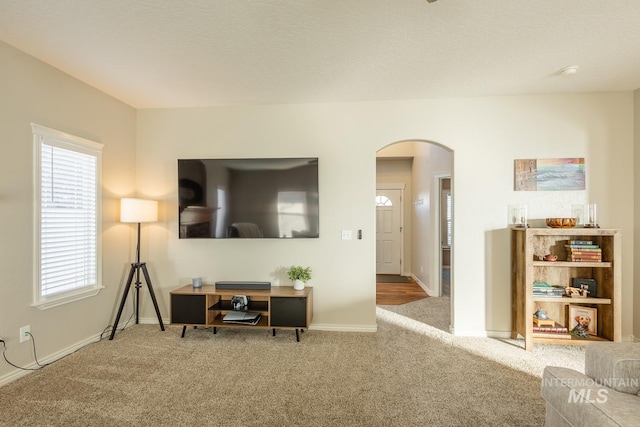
(69, 220)
(449, 219)
(446, 224)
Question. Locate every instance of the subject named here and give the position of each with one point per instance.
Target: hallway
(397, 292)
(406, 297)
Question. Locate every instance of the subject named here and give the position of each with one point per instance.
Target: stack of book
(550, 330)
(583, 251)
(543, 289)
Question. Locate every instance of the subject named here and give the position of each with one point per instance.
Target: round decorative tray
(561, 222)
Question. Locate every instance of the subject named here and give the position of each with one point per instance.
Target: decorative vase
(298, 285)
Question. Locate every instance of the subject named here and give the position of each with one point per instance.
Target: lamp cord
(35, 355)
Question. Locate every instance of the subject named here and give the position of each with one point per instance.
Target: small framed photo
(586, 317)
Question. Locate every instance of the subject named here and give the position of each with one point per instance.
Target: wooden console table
(281, 307)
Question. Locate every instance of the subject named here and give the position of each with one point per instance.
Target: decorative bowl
(561, 222)
(550, 257)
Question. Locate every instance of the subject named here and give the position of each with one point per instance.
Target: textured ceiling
(165, 54)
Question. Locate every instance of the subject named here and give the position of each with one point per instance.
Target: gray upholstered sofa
(607, 395)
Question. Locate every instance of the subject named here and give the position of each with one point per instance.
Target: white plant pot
(298, 285)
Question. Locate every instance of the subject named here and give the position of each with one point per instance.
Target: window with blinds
(446, 225)
(449, 219)
(68, 217)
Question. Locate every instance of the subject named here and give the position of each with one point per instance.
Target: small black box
(588, 284)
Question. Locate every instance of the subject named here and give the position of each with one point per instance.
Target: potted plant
(300, 275)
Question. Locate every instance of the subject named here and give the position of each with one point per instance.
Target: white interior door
(388, 231)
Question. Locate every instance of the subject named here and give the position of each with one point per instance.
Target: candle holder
(591, 216)
(518, 216)
(577, 212)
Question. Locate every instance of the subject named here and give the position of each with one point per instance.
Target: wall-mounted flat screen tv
(274, 198)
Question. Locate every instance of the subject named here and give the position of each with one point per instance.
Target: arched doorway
(424, 171)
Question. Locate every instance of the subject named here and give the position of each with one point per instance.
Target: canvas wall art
(549, 174)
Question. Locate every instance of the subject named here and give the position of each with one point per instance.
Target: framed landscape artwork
(549, 174)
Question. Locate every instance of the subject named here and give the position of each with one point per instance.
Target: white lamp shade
(138, 210)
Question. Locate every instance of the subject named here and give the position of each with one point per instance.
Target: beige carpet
(430, 317)
(406, 374)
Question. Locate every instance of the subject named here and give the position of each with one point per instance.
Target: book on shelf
(584, 259)
(584, 255)
(557, 328)
(580, 242)
(582, 246)
(573, 249)
(553, 335)
(543, 289)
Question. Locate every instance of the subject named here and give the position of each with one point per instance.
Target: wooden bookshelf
(528, 246)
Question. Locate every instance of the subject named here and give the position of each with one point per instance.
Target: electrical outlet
(25, 333)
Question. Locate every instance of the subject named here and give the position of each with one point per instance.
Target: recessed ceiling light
(569, 71)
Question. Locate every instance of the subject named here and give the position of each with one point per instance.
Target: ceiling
(169, 54)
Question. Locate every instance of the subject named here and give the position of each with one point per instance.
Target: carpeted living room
(305, 109)
(408, 373)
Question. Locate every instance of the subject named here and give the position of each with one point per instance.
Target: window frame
(55, 138)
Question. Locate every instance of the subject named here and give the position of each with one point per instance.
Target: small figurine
(575, 292)
(580, 332)
(541, 314)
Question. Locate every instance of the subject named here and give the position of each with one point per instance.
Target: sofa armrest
(615, 365)
(582, 402)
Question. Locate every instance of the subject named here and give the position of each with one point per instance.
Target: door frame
(439, 177)
(397, 186)
(437, 209)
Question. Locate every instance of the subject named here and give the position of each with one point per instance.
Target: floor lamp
(137, 211)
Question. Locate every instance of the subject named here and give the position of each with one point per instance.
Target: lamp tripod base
(135, 270)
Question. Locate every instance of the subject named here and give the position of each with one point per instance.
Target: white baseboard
(469, 333)
(150, 321)
(343, 328)
(19, 373)
(499, 334)
(424, 287)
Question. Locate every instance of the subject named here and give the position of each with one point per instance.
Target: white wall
(486, 135)
(339, 266)
(430, 162)
(396, 150)
(35, 92)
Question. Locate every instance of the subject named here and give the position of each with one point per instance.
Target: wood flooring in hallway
(398, 293)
